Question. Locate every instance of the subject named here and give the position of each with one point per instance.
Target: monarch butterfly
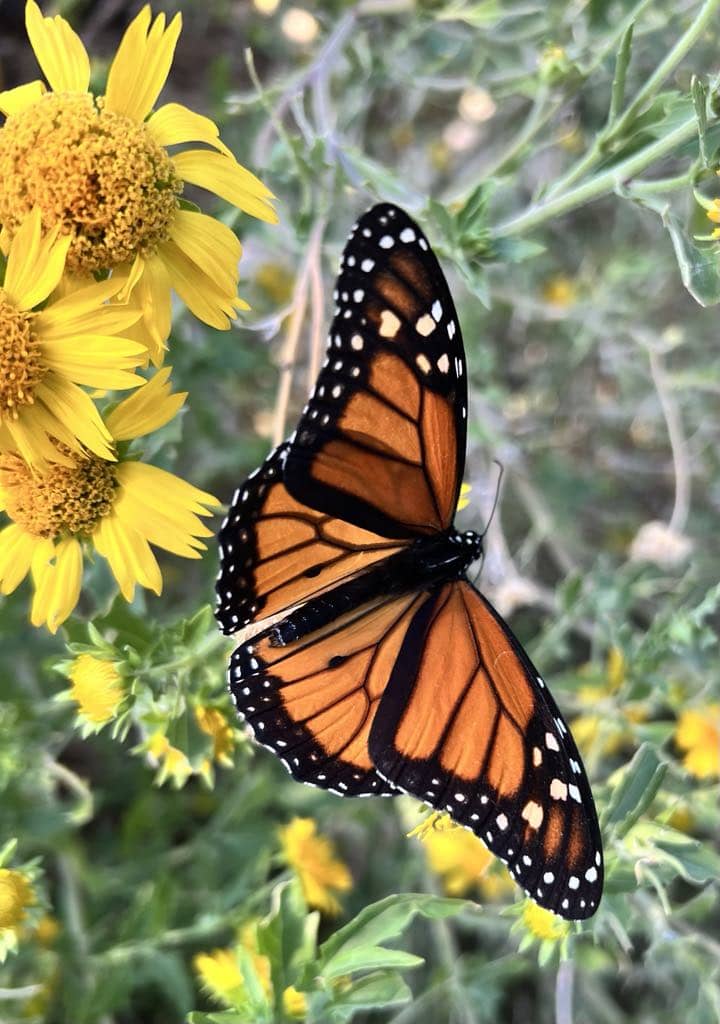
(373, 666)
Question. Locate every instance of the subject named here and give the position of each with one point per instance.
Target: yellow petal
(165, 491)
(59, 51)
(14, 101)
(16, 552)
(199, 292)
(35, 263)
(85, 310)
(96, 361)
(173, 124)
(141, 65)
(172, 527)
(57, 586)
(228, 179)
(75, 409)
(37, 426)
(211, 246)
(152, 296)
(129, 555)
(150, 408)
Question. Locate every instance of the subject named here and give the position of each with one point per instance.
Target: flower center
(65, 499)
(21, 365)
(99, 174)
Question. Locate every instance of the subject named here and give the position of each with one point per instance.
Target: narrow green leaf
(699, 98)
(636, 790)
(622, 60)
(383, 988)
(699, 265)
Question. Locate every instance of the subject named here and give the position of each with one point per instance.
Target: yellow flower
(173, 763)
(215, 724)
(16, 895)
(96, 688)
(312, 858)
(45, 356)
(463, 499)
(454, 853)
(698, 733)
(119, 508)
(542, 924)
(220, 975)
(713, 212)
(100, 169)
(47, 930)
(294, 1003)
(560, 291)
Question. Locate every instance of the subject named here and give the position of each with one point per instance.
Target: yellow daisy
(97, 688)
(698, 734)
(100, 169)
(312, 858)
(16, 894)
(46, 356)
(118, 508)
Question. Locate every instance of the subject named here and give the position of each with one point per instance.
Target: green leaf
(387, 919)
(699, 97)
(287, 936)
(366, 958)
(694, 861)
(622, 60)
(383, 988)
(699, 264)
(639, 783)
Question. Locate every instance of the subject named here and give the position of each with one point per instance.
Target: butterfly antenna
(493, 510)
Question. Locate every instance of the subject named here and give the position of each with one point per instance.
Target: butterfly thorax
(439, 558)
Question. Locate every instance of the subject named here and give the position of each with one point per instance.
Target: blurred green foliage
(556, 155)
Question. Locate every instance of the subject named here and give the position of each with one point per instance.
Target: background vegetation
(563, 187)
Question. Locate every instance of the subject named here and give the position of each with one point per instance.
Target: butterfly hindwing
(276, 553)
(313, 702)
(467, 726)
(381, 442)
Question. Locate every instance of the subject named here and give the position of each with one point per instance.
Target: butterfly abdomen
(426, 562)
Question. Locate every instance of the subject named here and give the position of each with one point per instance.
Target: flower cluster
(96, 236)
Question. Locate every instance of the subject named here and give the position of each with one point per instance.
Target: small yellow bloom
(220, 975)
(464, 497)
(47, 930)
(101, 171)
(560, 291)
(543, 924)
(215, 724)
(615, 669)
(96, 687)
(294, 1003)
(47, 356)
(119, 508)
(455, 854)
(698, 733)
(16, 894)
(174, 764)
(312, 858)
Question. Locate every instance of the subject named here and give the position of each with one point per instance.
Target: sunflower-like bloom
(45, 356)
(100, 170)
(118, 508)
(312, 858)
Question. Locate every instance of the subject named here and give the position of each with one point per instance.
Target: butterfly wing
(276, 553)
(467, 725)
(381, 443)
(313, 702)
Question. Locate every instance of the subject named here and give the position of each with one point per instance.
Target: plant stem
(599, 185)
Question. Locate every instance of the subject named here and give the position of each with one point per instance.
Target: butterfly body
(367, 661)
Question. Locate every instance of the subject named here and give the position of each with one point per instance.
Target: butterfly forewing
(467, 725)
(277, 553)
(381, 442)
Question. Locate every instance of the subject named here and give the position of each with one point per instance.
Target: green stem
(667, 66)
(601, 184)
(615, 128)
(212, 643)
(661, 185)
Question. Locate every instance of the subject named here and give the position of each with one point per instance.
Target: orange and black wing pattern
(313, 702)
(276, 553)
(381, 442)
(467, 725)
